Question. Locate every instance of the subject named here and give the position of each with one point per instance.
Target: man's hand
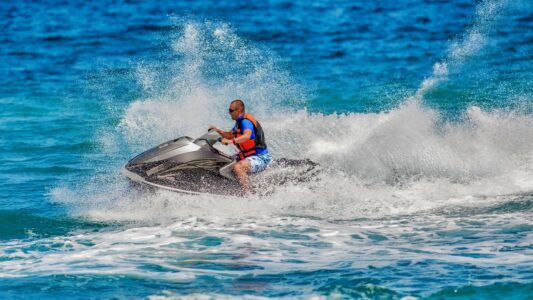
(226, 141)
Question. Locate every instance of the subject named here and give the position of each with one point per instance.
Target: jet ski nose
(162, 151)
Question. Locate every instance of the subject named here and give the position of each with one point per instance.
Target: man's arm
(246, 135)
(225, 134)
(241, 139)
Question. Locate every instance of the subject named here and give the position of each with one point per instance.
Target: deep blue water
(419, 112)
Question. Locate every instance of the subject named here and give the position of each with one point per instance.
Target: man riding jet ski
(218, 162)
(248, 135)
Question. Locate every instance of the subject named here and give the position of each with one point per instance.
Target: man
(248, 136)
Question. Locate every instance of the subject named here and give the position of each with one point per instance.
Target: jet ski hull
(142, 183)
(204, 166)
(281, 172)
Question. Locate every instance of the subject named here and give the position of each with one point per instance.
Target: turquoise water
(419, 113)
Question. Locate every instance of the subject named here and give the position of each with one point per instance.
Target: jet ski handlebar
(214, 141)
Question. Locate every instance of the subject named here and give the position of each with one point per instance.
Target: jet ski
(205, 166)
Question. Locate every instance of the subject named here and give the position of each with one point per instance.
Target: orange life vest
(249, 147)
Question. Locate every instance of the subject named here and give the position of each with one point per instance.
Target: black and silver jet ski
(205, 166)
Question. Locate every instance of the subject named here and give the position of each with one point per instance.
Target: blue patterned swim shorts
(259, 162)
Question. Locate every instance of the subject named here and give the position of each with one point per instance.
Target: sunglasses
(231, 110)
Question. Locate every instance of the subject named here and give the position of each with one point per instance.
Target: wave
(404, 160)
(504, 290)
(466, 46)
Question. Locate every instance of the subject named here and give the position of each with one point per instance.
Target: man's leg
(241, 170)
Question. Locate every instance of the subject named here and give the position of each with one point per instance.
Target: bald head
(238, 104)
(236, 108)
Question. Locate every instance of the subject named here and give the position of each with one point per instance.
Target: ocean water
(420, 114)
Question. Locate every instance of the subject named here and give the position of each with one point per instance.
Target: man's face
(234, 112)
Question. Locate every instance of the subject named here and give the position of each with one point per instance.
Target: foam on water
(398, 162)
(182, 250)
